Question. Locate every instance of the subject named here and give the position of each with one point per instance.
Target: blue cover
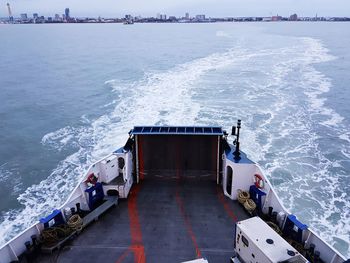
(296, 222)
(230, 156)
(120, 150)
(293, 228)
(54, 219)
(96, 195)
(256, 194)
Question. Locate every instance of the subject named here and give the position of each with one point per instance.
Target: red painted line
(135, 227)
(226, 205)
(180, 203)
(123, 256)
(139, 253)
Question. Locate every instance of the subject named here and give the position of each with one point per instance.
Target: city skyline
(222, 8)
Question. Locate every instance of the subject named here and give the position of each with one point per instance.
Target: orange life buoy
(258, 181)
(92, 179)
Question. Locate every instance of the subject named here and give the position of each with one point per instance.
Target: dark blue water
(70, 93)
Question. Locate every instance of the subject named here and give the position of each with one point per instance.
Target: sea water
(69, 93)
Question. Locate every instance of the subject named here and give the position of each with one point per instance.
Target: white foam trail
(328, 213)
(276, 91)
(285, 121)
(159, 98)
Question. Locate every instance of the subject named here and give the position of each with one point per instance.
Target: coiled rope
(49, 236)
(249, 205)
(275, 227)
(243, 196)
(52, 235)
(244, 199)
(75, 222)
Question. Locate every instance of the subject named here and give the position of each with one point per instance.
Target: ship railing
(328, 253)
(11, 250)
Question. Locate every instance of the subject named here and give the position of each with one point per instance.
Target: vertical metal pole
(237, 153)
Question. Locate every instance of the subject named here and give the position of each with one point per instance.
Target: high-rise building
(35, 15)
(293, 17)
(161, 16)
(24, 16)
(66, 12)
(9, 12)
(187, 16)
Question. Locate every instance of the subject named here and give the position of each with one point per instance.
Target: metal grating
(181, 130)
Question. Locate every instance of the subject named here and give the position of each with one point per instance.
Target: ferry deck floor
(164, 219)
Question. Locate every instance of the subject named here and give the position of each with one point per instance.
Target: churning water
(70, 93)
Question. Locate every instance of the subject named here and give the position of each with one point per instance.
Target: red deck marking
(139, 254)
(135, 227)
(123, 256)
(180, 203)
(226, 205)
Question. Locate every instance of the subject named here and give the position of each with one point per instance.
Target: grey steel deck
(165, 219)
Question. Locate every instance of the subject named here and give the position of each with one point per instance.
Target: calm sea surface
(70, 93)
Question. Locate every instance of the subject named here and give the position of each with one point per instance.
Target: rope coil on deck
(75, 222)
(249, 205)
(243, 196)
(49, 236)
(52, 235)
(275, 227)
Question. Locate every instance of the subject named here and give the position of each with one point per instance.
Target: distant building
(200, 17)
(293, 17)
(161, 16)
(187, 16)
(66, 12)
(49, 19)
(267, 19)
(276, 18)
(24, 16)
(128, 17)
(57, 17)
(38, 19)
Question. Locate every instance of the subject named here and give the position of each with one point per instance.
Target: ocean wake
(277, 92)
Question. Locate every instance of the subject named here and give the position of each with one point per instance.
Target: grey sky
(117, 8)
